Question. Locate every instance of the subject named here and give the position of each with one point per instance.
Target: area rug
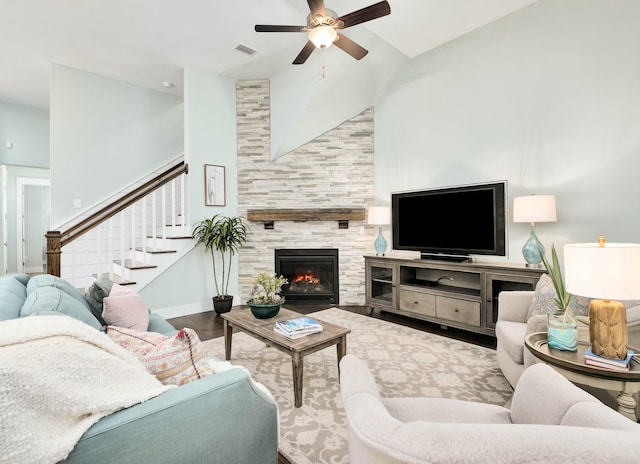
(404, 361)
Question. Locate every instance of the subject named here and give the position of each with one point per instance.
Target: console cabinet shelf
(461, 295)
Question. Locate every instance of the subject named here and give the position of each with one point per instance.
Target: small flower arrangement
(267, 288)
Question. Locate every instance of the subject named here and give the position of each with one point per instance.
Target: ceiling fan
(323, 25)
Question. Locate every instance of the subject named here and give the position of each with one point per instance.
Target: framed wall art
(214, 185)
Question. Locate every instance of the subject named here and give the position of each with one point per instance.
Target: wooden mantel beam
(342, 215)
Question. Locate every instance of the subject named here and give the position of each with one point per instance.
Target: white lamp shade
(534, 208)
(323, 36)
(379, 215)
(609, 272)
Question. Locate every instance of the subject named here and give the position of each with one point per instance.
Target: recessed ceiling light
(167, 84)
(246, 50)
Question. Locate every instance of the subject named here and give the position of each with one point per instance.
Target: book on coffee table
(298, 327)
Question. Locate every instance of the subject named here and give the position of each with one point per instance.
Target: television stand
(443, 257)
(450, 294)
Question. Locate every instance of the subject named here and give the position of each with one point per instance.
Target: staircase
(130, 238)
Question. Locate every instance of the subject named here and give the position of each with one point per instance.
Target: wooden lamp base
(608, 328)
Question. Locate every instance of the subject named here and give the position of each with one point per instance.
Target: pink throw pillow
(125, 308)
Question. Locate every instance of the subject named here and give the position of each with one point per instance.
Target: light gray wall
(210, 138)
(28, 129)
(546, 98)
(105, 134)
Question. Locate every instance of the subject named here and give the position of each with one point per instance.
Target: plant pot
(264, 311)
(222, 303)
(562, 333)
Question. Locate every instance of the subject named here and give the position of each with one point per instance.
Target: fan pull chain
(323, 71)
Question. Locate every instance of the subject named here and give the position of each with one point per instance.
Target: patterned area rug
(404, 361)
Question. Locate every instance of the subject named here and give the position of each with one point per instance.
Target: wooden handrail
(57, 239)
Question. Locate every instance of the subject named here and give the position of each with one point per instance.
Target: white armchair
(512, 326)
(550, 421)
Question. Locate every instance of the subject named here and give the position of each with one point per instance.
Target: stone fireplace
(335, 170)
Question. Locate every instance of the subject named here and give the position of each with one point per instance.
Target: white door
(32, 224)
(4, 226)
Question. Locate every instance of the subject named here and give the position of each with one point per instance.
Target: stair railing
(125, 222)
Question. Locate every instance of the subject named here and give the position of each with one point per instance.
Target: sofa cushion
(175, 360)
(53, 299)
(48, 280)
(13, 291)
(95, 294)
(511, 337)
(125, 308)
(159, 324)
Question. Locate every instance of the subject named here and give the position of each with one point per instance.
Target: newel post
(53, 252)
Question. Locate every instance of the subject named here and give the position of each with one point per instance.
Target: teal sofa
(222, 418)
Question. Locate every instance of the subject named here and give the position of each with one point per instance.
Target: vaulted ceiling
(148, 42)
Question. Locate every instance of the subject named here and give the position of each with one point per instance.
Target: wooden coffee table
(573, 367)
(262, 329)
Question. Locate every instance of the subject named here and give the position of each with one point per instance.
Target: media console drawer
(418, 302)
(454, 309)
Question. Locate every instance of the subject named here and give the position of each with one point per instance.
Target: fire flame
(306, 279)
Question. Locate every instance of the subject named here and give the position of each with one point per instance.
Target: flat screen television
(451, 223)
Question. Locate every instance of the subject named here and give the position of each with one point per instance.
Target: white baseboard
(34, 269)
(185, 310)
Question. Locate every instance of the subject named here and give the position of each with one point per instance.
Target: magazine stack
(298, 327)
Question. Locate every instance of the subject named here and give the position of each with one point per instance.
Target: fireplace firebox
(312, 275)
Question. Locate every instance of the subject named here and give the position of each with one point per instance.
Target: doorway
(33, 217)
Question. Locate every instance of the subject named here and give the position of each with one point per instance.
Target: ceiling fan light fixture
(323, 36)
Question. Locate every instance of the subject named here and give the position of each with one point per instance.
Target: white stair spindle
(98, 254)
(144, 230)
(154, 222)
(110, 248)
(164, 217)
(173, 203)
(122, 245)
(87, 271)
(133, 232)
(182, 202)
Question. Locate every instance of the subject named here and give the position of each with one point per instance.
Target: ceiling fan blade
(349, 46)
(305, 53)
(271, 28)
(316, 7)
(368, 13)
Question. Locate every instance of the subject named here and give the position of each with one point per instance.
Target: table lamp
(532, 209)
(606, 272)
(380, 216)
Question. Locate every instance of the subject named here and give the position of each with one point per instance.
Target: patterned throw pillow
(545, 293)
(173, 360)
(542, 301)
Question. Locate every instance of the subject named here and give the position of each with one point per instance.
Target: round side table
(573, 367)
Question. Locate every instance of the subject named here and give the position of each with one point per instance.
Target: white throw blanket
(59, 376)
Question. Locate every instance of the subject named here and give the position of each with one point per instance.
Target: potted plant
(265, 298)
(221, 236)
(562, 331)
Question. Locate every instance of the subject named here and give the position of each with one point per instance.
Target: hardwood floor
(209, 325)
